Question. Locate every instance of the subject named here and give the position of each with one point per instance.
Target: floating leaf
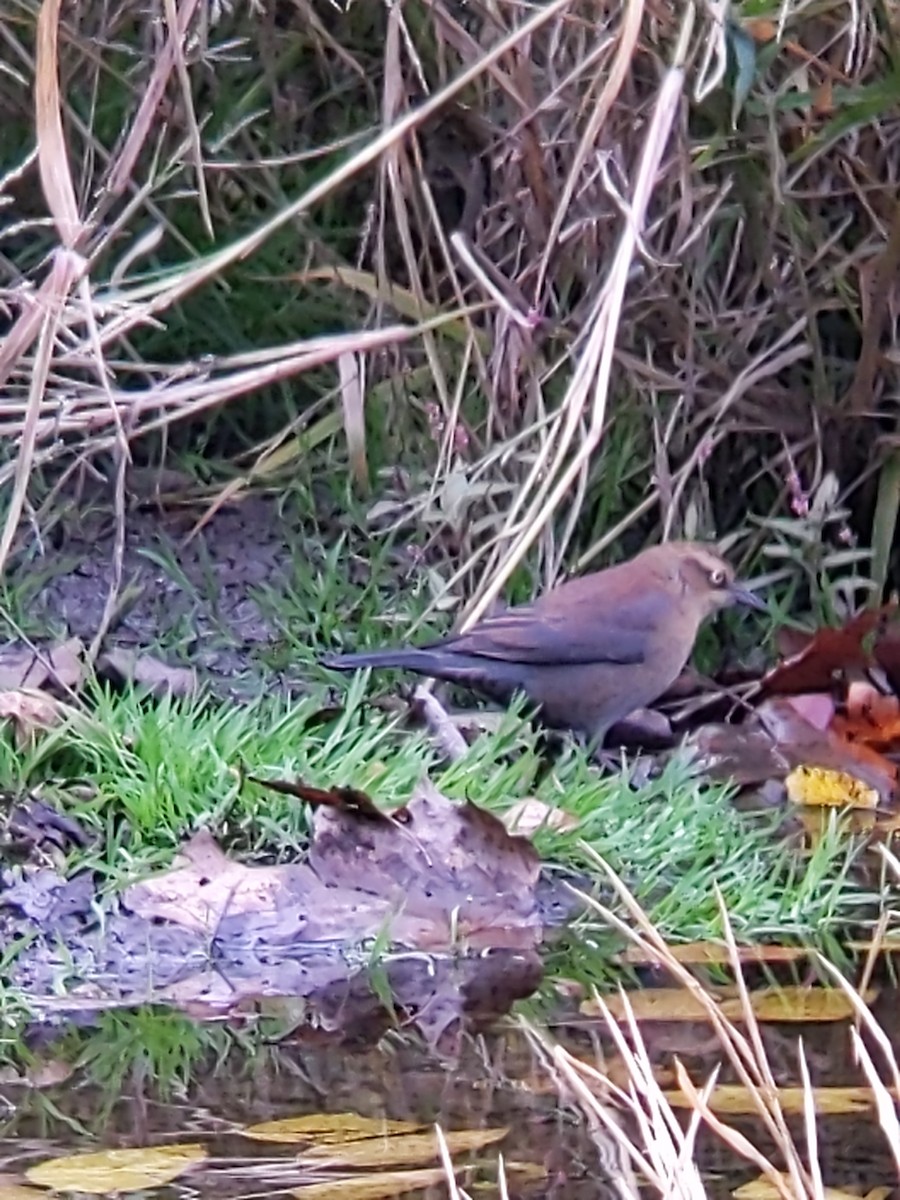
(798, 1003)
(738, 1101)
(372, 1187)
(716, 952)
(789, 1003)
(18, 1191)
(403, 1150)
(127, 1170)
(765, 1189)
(328, 1128)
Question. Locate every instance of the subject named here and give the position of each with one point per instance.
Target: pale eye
(717, 578)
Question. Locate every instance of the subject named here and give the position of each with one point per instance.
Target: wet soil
(197, 598)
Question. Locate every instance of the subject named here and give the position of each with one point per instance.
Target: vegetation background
(516, 288)
(543, 283)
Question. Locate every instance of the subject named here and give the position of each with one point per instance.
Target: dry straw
(655, 250)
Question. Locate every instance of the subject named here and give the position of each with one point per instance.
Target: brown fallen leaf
(819, 659)
(436, 876)
(18, 1191)
(403, 1150)
(527, 817)
(344, 798)
(455, 877)
(765, 1189)
(26, 667)
(716, 953)
(780, 737)
(871, 717)
(145, 671)
(31, 713)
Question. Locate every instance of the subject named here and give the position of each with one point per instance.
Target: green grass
(158, 770)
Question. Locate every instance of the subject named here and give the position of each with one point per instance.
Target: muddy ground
(195, 602)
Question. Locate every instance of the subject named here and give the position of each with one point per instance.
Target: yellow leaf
(651, 1004)
(717, 952)
(372, 1187)
(404, 1150)
(763, 1189)
(789, 1003)
(797, 1003)
(735, 1100)
(328, 1128)
(820, 788)
(117, 1170)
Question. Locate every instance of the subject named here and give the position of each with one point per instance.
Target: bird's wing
(581, 634)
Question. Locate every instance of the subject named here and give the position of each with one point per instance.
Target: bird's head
(707, 580)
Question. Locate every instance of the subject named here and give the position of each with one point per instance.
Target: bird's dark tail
(422, 661)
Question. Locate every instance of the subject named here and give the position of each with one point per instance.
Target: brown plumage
(591, 650)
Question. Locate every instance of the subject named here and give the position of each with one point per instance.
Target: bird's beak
(741, 594)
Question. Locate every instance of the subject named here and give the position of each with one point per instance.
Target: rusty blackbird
(589, 651)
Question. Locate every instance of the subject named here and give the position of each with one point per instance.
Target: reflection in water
(259, 1069)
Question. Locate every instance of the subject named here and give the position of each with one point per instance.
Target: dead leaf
(371, 1187)
(406, 1149)
(789, 1003)
(29, 668)
(143, 670)
(871, 717)
(449, 876)
(829, 654)
(779, 738)
(33, 822)
(204, 886)
(527, 817)
(31, 712)
(328, 1128)
(736, 1100)
(716, 953)
(815, 787)
(127, 1170)
(343, 798)
(765, 1189)
(18, 1191)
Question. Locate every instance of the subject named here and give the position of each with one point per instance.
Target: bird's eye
(717, 577)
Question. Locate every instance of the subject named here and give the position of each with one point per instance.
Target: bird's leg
(609, 760)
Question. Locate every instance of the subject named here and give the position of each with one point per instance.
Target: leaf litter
(433, 913)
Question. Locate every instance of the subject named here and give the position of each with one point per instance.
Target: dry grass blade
(67, 266)
(53, 158)
(352, 375)
(589, 388)
(621, 1153)
(748, 1057)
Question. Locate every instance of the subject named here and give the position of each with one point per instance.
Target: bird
(589, 651)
